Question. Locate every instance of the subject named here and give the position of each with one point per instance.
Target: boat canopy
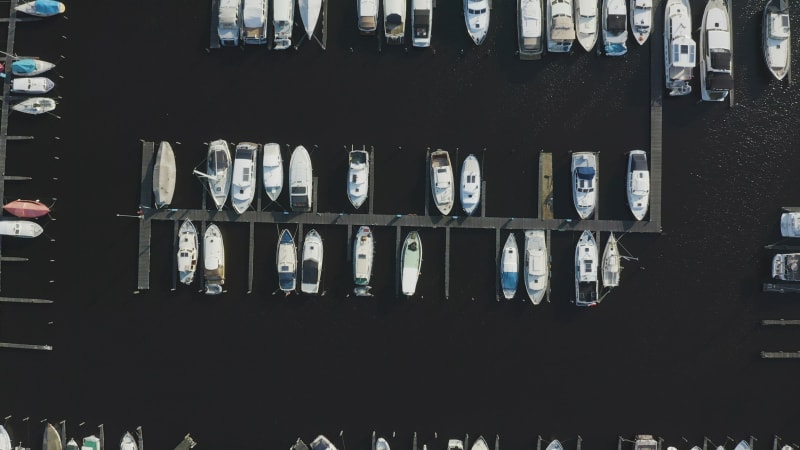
(368, 8)
(310, 271)
(585, 173)
(684, 50)
(616, 23)
(24, 66)
(286, 278)
(254, 14)
(536, 265)
(588, 8)
(720, 60)
(638, 162)
(719, 40)
(220, 160)
(47, 7)
(563, 29)
(509, 280)
(719, 81)
(394, 19)
(778, 26)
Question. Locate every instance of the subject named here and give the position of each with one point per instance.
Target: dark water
(673, 351)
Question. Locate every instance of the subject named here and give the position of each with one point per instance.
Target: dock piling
(371, 192)
(315, 202)
(251, 256)
(175, 246)
(497, 264)
(398, 266)
(427, 180)
(483, 198)
(447, 263)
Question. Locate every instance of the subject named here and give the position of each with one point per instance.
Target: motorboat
(311, 265)
(586, 288)
(42, 8)
(5, 439)
(638, 183)
(584, 183)
(790, 224)
(509, 267)
(587, 23)
(480, 444)
(363, 249)
(30, 67)
(71, 445)
(218, 173)
(537, 265)
(35, 105)
(641, 20)
(187, 252)
(786, 266)
(229, 22)
(560, 26)
(272, 170)
(611, 263)
(476, 16)
(470, 184)
(368, 16)
(421, 22)
(554, 445)
(213, 260)
(286, 261)
(455, 444)
(128, 442)
(309, 13)
(91, 443)
(679, 48)
(300, 180)
(776, 38)
(51, 439)
(381, 444)
(442, 181)
(742, 445)
(394, 21)
(164, 175)
(615, 27)
(32, 85)
(716, 52)
(20, 228)
(283, 23)
(358, 177)
(322, 443)
(243, 182)
(645, 442)
(530, 29)
(299, 445)
(27, 209)
(254, 21)
(410, 263)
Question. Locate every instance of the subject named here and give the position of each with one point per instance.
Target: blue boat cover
(23, 66)
(585, 173)
(509, 280)
(47, 7)
(615, 49)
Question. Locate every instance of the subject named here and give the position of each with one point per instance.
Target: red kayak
(27, 208)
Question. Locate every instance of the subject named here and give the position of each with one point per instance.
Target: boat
(584, 183)
(554, 445)
(322, 443)
(286, 261)
(300, 180)
(410, 263)
(530, 29)
(790, 224)
(776, 38)
(32, 85)
(611, 263)
(679, 48)
(586, 288)
(560, 26)
(312, 263)
(71, 445)
(442, 181)
(615, 27)
(480, 444)
(381, 444)
(586, 23)
(358, 177)
(213, 260)
(394, 21)
(742, 445)
(42, 8)
(470, 184)
(455, 444)
(128, 442)
(35, 105)
(363, 249)
(537, 265)
(164, 175)
(476, 15)
(786, 266)
(254, 21)
(421, 22)
(283, 23)
(27, 209)
(51, 440)
(30, 67)
(641, 20)
(20, 228)
(5, 439)
(367, 17)
(638, 183)
(187, 252)
(299, 445)
(309, 13)
(91, 443)
(272, 170)
(243, 182)
(218, 172)
(645, 442)
(229, 22)
(716, 52)
(509, 267)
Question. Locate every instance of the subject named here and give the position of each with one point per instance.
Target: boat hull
(300, 180)
(31, 85)
(243, 182)
(309, 13)
(477, 23)
(27, 209)
(611, 263)
(30, 9)
(187, 252)
(678, 74)
(586, 26)
(410, 263)
(586, 287)
(537, 265)
(20, 228)
(358, 177)
(509, 267)
(30, 67)
(286, 262)
(638, 184)
(584, 183)
(777, 46)
(213, 260)
(421, 22)
(530, 34)
(312, 263)
(441, 175)
(164, 175)
(35, 105)
(641, 15)
(363, 254)
(470, 184)
(272, 171)
(716, 10)
(218, 172)
(615, 27)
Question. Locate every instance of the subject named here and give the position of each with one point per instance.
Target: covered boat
(30, 67)
(638, 181)
(32, 85)
(254, 21)
(394, 21)
(283, 23)
(645, 442)
(312, 263)
(27, 209)
(309, 13)
(530, 29)
(42, 8)
(421, 22)
(611, 263)
(470, 184)
(442, 181)
(587, 23)
(367, 16)
(128, 442)
(51, 439)
(286, 261)
(776, 38)
(560, 26)
(641, 20)
(584, 183)
(786, 266)
(243, 182)
(229, 22)
(20, 228)
(615, 27)
(476, 16)
(537, 265)
(358, 177)
(790, 224)
(509, 267)
(716, 52)
(410, 263)
(363, 249)
(300, 180)
(586, 282)
(164, 175)
(187, 252)
(272, 171)
(218, 173)
(679, 48)
(213, 260)
(91, 443)
(35, 105)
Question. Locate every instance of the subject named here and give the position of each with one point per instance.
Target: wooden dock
(780, 355)
(545, 186)
(25, 346)
(781, 322)
(214, 36)
(25, 300)
(656, 115)
(145, 229)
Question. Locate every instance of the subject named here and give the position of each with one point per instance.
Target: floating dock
(780, 355)
(782, 288)
(782, 322)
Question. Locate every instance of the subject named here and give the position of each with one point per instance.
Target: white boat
(243, 182)
(615, 27)
(286, 261)
(742, 445)
(586, 288)
(218, 173)
(509, 267)
(537, 265)
(587, 23)
(560, 26)
(187, 252)
(5, 439)
(786, 266)
(363, 249)
(230, 12)
(213, 260)
(530, 29)
(368, 16)
(254, 21)
(394, 21)
(42, 8)
(35, 105)
(164, 175)
(638, 181)
(322, 443)
(680, 51)
(641, 20)
(358, 177)
(790, 224)
(311, 266)
(20, 228)
(421, 22)
(30, 67)
(480, 444)
(476, 16)
(776, 37)
(645, 442)
(410, 263)
(611, 263)
(716, 52)
(91, 443)
(71, 445)
(470, 184)
(309, 13)
(442, 181)
(128, 442)
(272, 170)
(32, 85)
(584, 182)
(455, 444)
(300, 180)
(283, 23)
(555, 445)
(381, 444)
(51, 439)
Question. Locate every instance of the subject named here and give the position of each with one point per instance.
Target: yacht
(31, 85)
(164, 175)
(410, 263)
(358, 177)
(679, 48)
(309, 13)
(530, 29)
(470, 184)
(394, 21)
(20, 228)
(716, 52)
(476, 15)
(42, 8)
(480, 444)
(611, 263)
(645, 442)
(560, 26)
(421, 22)
(5, 439)
(615, 27)
(187, 252)
(537, 265)
(442, 181)
(790, 224)
(584, 183)
(230, 12)
(509, 267)
(218, 172)
(368, 16)
(213, 260)
(786, 266)
(312, 263)
(322, 443)
(254, 21)
(243, 183)
(586, 23)
(776, 38)
(300, 180)
(272, 170)
(586, 288)
(638, 181)
(91, 443)
(128, 442)
(641, 20)
(363, 249)
(286, 261)
(283, 23)
(30, 67)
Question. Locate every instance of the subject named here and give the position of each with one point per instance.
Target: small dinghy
(312, 263)
(30, 67)
(509, 267)
(32, 85)
(442, 181)
(42, 8)
(358, 177)
(164, 175)
(776, 37)
(300, 180)
(410, 263)
(470, 184)
(5, 439)
(611, 260)
(309, 13)
(363, 249)
(218, 173)
(187, 252)
(35, 105)
(243, 183)
(27, 209)
(272, 171)
(213, 260)
(537, 265)
(128, 442)
(51, 440)
(20, 228)
(586, 288)
(286, 261)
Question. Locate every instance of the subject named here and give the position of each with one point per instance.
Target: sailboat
(35, 105)
(30, 67)
(442, 181)
(283, 23)
(509, 267)
(127, 442)
(164, 175)
(470, 184)
(27, 209)
(5, 439)
(20, 228)
(32, 85)
(410, 263)
(421, 22)
(367, 17)
(243, 183)
(358, 177)
(530, 29)
(586, 288)
(586, 23)
(42, 8)
(615, 27)
(611, 263)
(641, 20)
(537, 265)
(309, 13)
(312, 263)
(187, 252)
(286, 260)
(716, 52)
(272, 171)
(218, 172)
(213, 260)
(51, 440)
(300, 180)
(363, 249)
(776, 37)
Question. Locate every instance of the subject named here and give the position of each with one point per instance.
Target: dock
(782, 322)
(145, 228)
(545, 186)
(25, 300)
(656, 115)
(25, 346)
(214, 37)
(780, 355)
(186, 444)
(781, 288)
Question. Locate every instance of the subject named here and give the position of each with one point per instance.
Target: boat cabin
(230, 12)
(298, 197)
(616, 24)
(584, 179)
(254, 28)
(778, 25)
(562, 27)
(422, 23)
(642, 15)
(367, 16)
(282, 22)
